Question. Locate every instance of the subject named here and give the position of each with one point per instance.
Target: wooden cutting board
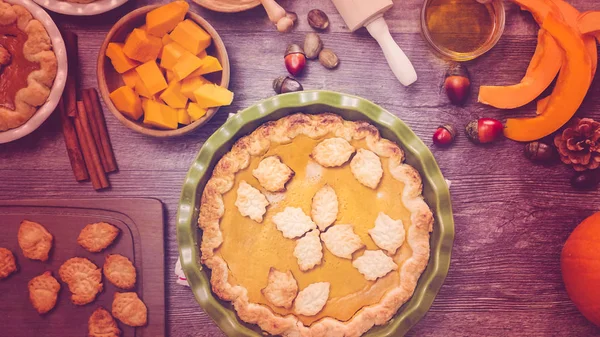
(141, 240)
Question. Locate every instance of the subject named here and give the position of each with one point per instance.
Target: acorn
(539, 152)
(585, 181)
(444, 135)
(457, 84)
(295, 59)
(484, 130)
(283, 84)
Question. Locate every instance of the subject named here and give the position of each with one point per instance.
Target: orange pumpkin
(580, 264)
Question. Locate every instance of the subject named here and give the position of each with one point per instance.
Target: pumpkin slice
(542, 70)
(571, 87)
(542, 103)
(589, 23)
(539, 9)
(571, 16)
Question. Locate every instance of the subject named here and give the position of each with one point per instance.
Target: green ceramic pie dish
(435, 191)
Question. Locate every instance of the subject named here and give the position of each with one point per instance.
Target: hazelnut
(328, 58)
(312, 45)
(317, 19)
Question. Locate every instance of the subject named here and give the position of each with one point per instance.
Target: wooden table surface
(512, 217)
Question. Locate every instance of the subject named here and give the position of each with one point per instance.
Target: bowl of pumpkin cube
(163, 70)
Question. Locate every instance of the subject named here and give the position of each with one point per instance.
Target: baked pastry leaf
(388, 234)
(97, 236)
(311, 300)
(366, 167)
(250, 202)
(273, 174)
(102, 324)
(341, 241)
(332, 152)
(374, 264)
(43, 292)
(309, 250)
(119, 271)
(293, 223)
(35, 240)
(8, 264)
(324, 207)
(281, 288)
(83, 278)
(129, 309)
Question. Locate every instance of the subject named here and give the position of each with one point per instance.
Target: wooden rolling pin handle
(274, 10)
(285, 24)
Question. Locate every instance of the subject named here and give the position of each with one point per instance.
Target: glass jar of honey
(462, 30)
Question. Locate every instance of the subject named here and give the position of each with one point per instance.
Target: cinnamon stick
(72, 144)
(93, 162)
(87, 102)
(70, 93)
(97, 120)
(87, 155)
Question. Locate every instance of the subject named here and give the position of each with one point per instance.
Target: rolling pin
(278, 16)
(369, 14)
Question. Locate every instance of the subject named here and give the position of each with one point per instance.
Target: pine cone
(579, 144)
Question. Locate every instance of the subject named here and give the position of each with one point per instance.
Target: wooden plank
(512, 217)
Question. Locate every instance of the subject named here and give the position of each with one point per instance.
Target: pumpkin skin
(580, 264)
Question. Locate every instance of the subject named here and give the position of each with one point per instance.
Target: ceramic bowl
(109, 79)
(58, 45)
(435, 192)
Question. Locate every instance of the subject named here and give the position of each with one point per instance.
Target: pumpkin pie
(314, 226)
(27, 65)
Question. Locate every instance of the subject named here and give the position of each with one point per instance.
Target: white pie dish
(58, 86)
(76, 9)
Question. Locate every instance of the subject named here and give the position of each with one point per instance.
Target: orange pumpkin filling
(13, 76)
(251, 249)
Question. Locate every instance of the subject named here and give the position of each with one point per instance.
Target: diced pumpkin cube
(190, 84)
(202, 54)
(119, 60)
(210, 64)
(191, 36)
(196, 111)
(173, 96)
(171, 76)
(186, 65)
(142, 47)
(127, 102)
(130, 78)
(152, 77)
(183, 117)
(163, 19)
(140, 88)
(170, 54)
(212, 95)
(166, 39)
(144, 27)
(159, 115)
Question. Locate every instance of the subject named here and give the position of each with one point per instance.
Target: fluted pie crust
(285, 131)
(37, 49)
